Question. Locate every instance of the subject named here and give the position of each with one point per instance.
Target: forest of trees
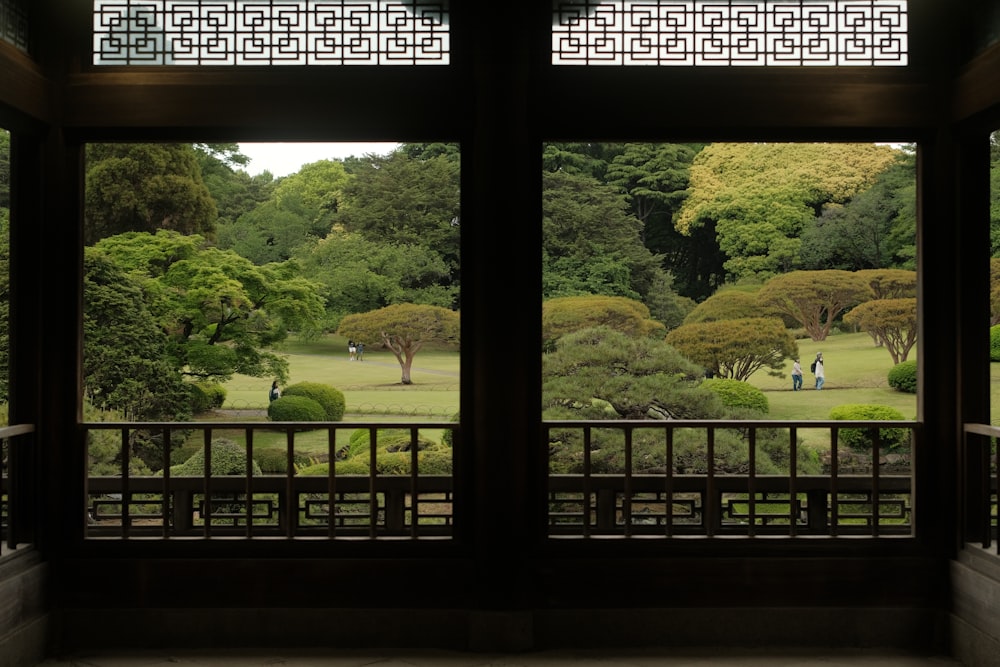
(208, 267)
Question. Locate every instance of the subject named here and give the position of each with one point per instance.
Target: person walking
(361, 351)
(352, 349)
(275, 393)
(796, 376)
(819, 371)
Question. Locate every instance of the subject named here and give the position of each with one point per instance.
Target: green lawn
(856, 372)
(372, 387)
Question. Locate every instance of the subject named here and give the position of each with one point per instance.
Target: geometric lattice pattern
(14, 23)
(730, 32)
(270, 32)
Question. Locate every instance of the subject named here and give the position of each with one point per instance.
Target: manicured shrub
(860, 439)
(228, 458)
(995, 342)
(903, 376)
(436, 461)
(331, 398)
(274, 460)
(448, 437)
(295, 409)
(206, 396)
(738, 394)
(358, 466)
(389, 440)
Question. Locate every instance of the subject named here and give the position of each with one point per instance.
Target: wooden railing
(374, 505)
(981, 481)
(653, 489)
(674, 496)
(16, 527)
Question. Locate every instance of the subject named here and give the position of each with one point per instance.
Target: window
(724, 32)
(278, 32)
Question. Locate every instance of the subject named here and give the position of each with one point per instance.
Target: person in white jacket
(818, 371)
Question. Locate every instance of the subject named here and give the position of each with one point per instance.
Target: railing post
(606, 509)
(395, 510)
(816, 510)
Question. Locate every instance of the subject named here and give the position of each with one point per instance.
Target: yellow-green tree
(728, 304)
(562, 315)
(890, 283)
(403, 328)
(760, 196)
(892, 321)
(814, 299)
(738, 348)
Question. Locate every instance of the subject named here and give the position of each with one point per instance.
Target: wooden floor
(563, 658)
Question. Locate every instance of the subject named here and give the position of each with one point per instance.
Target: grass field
(856, 372)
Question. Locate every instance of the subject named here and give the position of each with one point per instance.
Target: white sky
(282, 159)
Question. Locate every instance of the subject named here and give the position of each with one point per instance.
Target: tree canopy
(738, 348)
(404, 329)
(222, 313)
(814, 299)
(892, 322)
(563, 315)
(761, 196)
(145, 188)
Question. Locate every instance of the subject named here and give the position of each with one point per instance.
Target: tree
(736, 349)
(234, 191)
(726, 304)
(404, 329)
(572, 313)
(994, 291)
(890, 283)
(651, 381)
(222, 313)
(145, 188)
(591, 244)
(875, 229)
(411, 202)
(129, 363)
(814, 299)
(891, 321)
(651, 378)
(270, 232)
(358, 275)
(653, 176)
(760, 196)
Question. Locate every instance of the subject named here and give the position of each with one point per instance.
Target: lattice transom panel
(730, 32)
(270, 32)
(14, 24)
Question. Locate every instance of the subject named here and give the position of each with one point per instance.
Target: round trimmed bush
(903, 376)
(860, 439)
(206, 396)
(295, 409)
(389, 440)
(356, 466)
(331, 398)
(274, 460)
(738, 394)
(228, 458)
